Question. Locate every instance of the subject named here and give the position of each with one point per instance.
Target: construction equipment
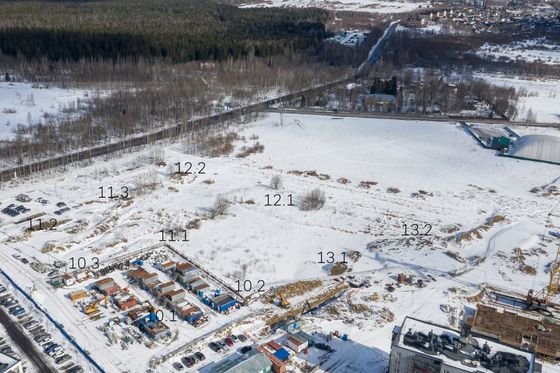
(545, 296)
(153, 313)
(283, 302)
(91, 308)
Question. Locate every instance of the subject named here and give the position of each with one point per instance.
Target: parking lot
(32, 336)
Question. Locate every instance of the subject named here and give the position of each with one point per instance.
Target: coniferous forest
(176, 30)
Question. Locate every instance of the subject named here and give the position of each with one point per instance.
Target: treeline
(175, 30)
(451, 51)
(384, 86)
(162, 95)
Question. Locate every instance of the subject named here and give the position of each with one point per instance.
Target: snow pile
(541, 147)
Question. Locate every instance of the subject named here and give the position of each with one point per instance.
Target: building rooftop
(252, 362)
(539, 147)
(183, 266)
(474, 354)
(7, 362)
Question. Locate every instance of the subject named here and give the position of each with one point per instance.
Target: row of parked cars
(39, 333)
(11, 304)
(216, 346)
(14, 210)
(6, 349)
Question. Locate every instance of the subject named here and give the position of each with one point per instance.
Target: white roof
(7, 362)
(425, 327)
(541, 147)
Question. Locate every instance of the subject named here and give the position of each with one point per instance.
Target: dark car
(189, 361)
(64, 358)
(214, 347)
(200, 356)
(234, 337)
(229, 341)
(245, 349)
(177, 366)
(242, 338)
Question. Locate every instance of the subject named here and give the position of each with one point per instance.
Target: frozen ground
(377, 176)
(542, 97)
(21, 102)
(369, 6)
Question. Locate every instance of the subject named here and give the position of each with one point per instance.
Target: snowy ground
(377, 176)
(533, 50)
(375, 6)
(22, 102)
(542, 97)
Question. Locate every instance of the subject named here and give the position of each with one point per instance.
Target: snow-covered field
(542, 97)
(533, 50)
(377, 176)
(22, 102)
(370, 6)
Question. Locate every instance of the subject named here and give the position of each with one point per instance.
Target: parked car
(242, 338)
(50, 346)
(222, 345)
(234, 337)
(229, 341)
(200, 356)
(2, 288)
(76, 369)
(28, 325)
(62, 359)
(19, 311)
(214, 346)
(245, 349)
(189, 361)
(177, 366)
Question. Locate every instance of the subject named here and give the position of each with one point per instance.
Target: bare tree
(220, 207)
(313, 200)
(276, 182)
(531, 117)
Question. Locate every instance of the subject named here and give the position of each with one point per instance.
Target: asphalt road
(23, 343)
(424, 118)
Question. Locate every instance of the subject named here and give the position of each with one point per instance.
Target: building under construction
(518, 328)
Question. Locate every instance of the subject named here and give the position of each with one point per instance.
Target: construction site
(530, 322)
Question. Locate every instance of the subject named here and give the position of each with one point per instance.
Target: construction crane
(544, 297)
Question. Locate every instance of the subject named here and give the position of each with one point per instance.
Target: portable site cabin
(223, 303)
(176, 296)
(57, 281)
(282, 354)
(77, 295)
(296, 343)
(166, 287)
(189, 313)
(499, 143)
(68, 279)
(104, 283)
(168, 266)
(201, 289)
(185, 269)
(148, 279)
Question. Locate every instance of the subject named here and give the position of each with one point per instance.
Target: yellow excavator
(92, 307)
(544, 297)
(283, 302)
